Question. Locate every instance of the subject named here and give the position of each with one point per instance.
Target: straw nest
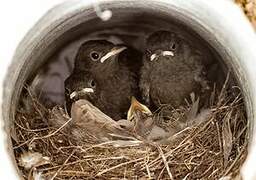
(212, 149)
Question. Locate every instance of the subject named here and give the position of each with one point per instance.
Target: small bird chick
(89, 123)
(107, 60)
(171, 70)
(144, 122)
(103, 95)
(80, 85)
(114, 69)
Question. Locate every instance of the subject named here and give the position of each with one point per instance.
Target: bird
(105, 58)
(150, 127)
(80, 85)
(87, 124)
(171, 70)
(112, 73)
(144, 122)
(92, 123)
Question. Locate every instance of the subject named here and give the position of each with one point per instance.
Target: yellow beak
(137, 106)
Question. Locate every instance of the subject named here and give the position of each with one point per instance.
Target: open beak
(137, 106)
(84, 91)
(156, 55)
(114, 51)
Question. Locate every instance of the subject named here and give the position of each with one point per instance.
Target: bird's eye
(95, 56)
(67, 90)
(173, 46)
(92, 83)
(148, 52)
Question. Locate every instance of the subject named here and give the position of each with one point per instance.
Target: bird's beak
(114, 51)
(156, 55)
(74, 94)
(137, 106)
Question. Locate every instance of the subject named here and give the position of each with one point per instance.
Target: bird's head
(163, 45)
(97, 54)
(138, 111)
(79, 85)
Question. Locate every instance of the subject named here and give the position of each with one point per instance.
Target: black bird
(171, 70)
(80, 85)
(111, 71)
(105, 59)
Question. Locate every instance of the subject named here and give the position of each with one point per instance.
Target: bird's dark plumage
(114, 70)
(171, 70)
(75, 86)
(86, 60)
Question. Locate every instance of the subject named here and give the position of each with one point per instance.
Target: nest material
(213, 149)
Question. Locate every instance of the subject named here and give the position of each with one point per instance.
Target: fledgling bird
(148, 125)
(144, 122)
(91, 122)
(171, 70)
(83, 85)
(113, 71)
(106, 59)
(80, 85)
(88, 124)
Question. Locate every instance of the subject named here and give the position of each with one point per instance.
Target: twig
(235, 161)
(52, 134)
(147, 168)
(119, 165)
(165, 162)
(62, 165)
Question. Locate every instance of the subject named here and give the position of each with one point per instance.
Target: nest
(214, 148)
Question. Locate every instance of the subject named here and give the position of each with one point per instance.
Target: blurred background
(249, 7)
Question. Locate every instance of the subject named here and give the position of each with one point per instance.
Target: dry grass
(213, 149)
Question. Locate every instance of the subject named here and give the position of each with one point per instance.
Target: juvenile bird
(144, 122)
(114, 70)
(90, 125)
(171, 70)
(105, 59)
(80, 85)
(91, 122)
(152, 127)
